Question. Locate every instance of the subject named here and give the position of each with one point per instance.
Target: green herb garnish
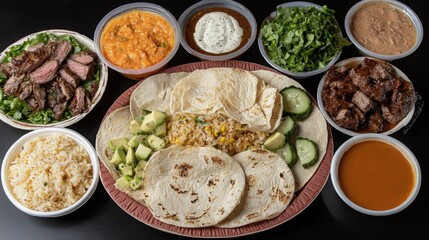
(199, 121)
(302, 39)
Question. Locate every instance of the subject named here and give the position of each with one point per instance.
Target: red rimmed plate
(302, 200)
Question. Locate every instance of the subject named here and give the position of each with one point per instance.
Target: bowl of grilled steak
(50, 78)
(366, 95)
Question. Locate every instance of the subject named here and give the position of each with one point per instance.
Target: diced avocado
(161, 130)
(118, 143)
(136, 140)
(130, 159)
(144, 113)
(148, 124)
(125, 169)
(142, 152)
(155, 142)
(136, 183)
(275, 141)
(118, 157)
(159, 117)
(123, 182)
(138, 170)
(135, 127)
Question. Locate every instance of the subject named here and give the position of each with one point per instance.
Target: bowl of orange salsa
(137, 39)
(375, 174)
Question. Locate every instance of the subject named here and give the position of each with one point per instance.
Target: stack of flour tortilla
(202, 186)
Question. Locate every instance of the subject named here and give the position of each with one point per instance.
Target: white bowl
(138, 74)
(192, 10)
(296, 75)
(16, 148)
(391, 141)
(398, 126)
(397, 4)
(98, 95)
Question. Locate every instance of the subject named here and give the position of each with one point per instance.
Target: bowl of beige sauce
(384, 29)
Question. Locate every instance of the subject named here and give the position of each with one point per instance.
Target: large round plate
(302, 200)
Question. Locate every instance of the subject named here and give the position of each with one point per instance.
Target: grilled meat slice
(375, 122)
(30, 60)
(84, 57)
(346, 119)
(25, 90)
(8, 69)
(77, 104)
(382, 71)
(83, 71)
(66, 89)
(11, 87)
(59, 110)
(93, 88)
(63, 49)
(45, 73)
(69, 76)
(363, 102)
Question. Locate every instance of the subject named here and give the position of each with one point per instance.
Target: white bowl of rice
(50, 172)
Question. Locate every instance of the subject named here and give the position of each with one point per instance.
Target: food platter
(301, 200)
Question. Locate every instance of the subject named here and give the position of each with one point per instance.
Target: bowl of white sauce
(217, 30)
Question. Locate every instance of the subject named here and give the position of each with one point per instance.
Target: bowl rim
(397, 4)
(298, 75)
(14, 149)
(336, 160)
(231, 4)
(144, 6)
(328, 118)
(104, 74)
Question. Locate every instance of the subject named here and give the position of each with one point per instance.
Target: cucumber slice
(307, 152)
(288, 153)
(296, 102)
(287, 127)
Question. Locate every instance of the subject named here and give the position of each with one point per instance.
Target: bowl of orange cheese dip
(375, 174)
(137, 39)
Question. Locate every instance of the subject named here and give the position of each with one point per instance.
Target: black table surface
(100, 218)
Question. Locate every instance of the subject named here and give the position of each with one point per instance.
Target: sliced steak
(69, 76)
(59, 110)
(30, 60)
(45, 73)
(363, 102)
(77, 104)
(84, 57)
(63, 49)
(346, 119)
(83, 71)
(8, 69)
(25, 90)
(11, 87)
(39, 95)
(66, 89)
(93, 88)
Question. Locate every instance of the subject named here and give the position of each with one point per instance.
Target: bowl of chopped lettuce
(51, 78)
(301, 39)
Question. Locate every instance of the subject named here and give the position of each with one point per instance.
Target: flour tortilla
(154, 93)
(233, 92)
(116, 125)
(192, 187)
(269, 188)
(314, 127)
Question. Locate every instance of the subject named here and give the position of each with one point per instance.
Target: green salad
(20, 110)
(302, 39)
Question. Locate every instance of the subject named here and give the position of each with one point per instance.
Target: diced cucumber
(161, 130)
(118, 157)
(136, 140)
(155, 142)
(288, 153)
(275, 141)
(307, 151)
(118, 143)
(135, 127)
(143, 152)
(287, 127)
(296, 102)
